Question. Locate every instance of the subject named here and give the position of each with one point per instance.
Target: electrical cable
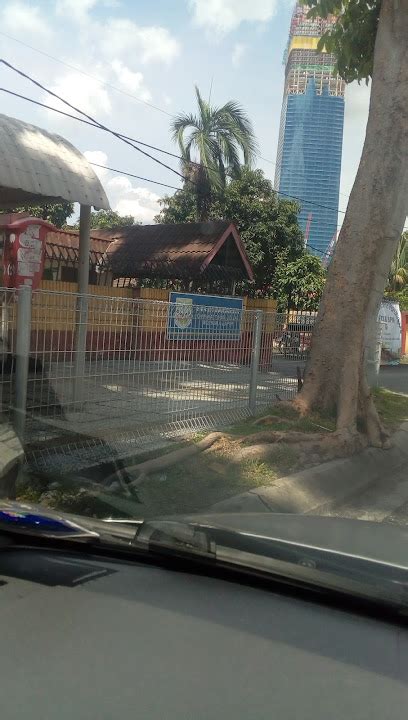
(138, 177)
(89, 117)
(98, 126)
(82, 72)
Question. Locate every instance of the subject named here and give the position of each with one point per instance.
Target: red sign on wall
(24, 252)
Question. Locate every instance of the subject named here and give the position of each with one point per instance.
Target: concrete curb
(11, 457)
(318, 489)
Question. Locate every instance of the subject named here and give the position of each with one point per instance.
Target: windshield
(204, 298)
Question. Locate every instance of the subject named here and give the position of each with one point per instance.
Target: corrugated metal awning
(37, 166)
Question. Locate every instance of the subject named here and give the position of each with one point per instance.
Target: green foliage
(352, 38)
(299, 284)
(398, 275)
(219, 137)
(400, 296)
(107, 219)
(268, 226)
(178, 208)
(56, 213)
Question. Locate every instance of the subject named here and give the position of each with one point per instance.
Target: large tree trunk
(377, 208)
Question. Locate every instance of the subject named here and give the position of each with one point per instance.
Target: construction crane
(329, 252)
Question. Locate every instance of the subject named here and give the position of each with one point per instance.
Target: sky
(116, 59)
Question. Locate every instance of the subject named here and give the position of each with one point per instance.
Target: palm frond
(219, 137)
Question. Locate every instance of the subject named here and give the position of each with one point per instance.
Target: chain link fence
(93, 369)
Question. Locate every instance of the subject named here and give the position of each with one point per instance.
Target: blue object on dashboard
(32, 521)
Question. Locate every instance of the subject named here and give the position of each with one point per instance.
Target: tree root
(276, 436)
(376, 433)
(327, 446)
(270, 419)
(163, 462)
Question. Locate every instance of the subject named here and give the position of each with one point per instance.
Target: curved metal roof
(37, 166)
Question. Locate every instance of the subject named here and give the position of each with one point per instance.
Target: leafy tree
(299, 284)
(352, 38)
(55, 213)
(398, 275)
(400, 296)
(107, 219)
(369, 40)
(218, 137)
(178, 208)
(268, 226)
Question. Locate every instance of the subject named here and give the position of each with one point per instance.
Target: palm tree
(218, 137)
(398, 275)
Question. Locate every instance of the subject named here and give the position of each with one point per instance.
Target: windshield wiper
(175, 535)
(318, 569)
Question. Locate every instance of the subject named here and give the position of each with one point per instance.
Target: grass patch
(392, 407)
(209, 478)
(285, 419)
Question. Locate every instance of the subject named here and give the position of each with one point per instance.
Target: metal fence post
(80, 345)
(24, 297)
(255, 353)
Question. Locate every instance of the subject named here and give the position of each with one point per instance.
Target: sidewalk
(322, 489)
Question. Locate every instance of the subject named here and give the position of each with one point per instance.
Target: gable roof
(182, 250)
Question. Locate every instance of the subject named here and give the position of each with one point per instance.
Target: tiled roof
(175, 250)
(70, 239)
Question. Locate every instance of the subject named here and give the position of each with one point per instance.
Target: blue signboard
(204, 317)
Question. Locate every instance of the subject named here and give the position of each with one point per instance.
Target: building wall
(311, 160)
(308, 161)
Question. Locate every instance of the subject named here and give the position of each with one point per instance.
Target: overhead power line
(95, 124)
(138, 177)
(82, 72)
(91, 124)
(98, 126)
(89, 117)
(119, 90)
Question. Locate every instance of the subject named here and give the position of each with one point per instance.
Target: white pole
(22, 357)
(81, 320)
(255, 353)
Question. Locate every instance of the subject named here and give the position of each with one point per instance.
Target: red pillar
(404, 328)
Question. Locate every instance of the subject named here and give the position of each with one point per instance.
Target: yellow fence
(56, 310)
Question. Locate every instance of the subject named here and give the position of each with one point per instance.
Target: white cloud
(119, 183)
(126, 199)
(78, 10)
(226, 15)
(23, 19)
(131, 81)
(118, 38)
(81, 91)
(238, 53)
(100, 158)
(142, 205)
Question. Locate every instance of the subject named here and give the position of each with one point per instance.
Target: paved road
(395, 377)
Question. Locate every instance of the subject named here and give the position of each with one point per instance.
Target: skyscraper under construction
(311, 131)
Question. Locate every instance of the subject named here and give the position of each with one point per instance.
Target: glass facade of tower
(311, 132)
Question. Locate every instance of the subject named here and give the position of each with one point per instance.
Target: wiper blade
(317, 569)
(176, 536)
